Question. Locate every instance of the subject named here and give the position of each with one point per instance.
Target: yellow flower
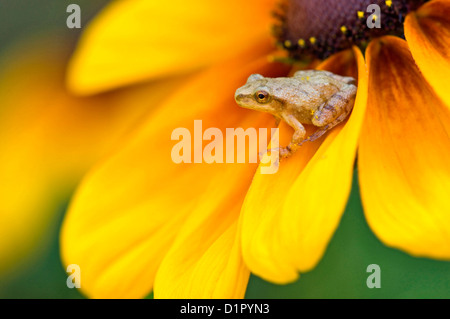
(139, 221)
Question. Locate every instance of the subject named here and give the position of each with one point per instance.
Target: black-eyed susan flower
(140, 222)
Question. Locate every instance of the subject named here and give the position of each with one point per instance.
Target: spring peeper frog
(315, 97)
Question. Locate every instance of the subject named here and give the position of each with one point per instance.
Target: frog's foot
(312, 137)
(284, 152)
(317, 134)
(262, 153)
(269, 150)
(274, 162)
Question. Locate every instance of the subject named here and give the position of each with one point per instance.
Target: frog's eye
(262, 97)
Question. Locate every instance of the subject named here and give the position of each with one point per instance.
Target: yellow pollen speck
(301, 43)
(389, 3)
(303, 79)
(375, 17)
(312, 40)
(312, 112)
(360, 14)
(307, 78)
(343, 29)
(287, 44)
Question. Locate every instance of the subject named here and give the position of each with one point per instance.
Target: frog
(309, 97)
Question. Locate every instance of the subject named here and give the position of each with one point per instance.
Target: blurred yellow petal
(428, 33)
(404, 154)
(131, 41)
(206, 260)
(48, 139)
(142, 197)
(289, 217)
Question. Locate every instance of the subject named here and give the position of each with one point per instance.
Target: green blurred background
(340, 274)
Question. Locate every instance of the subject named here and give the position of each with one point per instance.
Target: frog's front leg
(297, 138)
(334, 111)
(277, 120)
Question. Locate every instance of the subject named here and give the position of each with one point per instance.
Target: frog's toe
(285, 152)
(262, 153)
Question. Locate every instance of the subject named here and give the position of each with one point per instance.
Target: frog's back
(322, 76)
(322, 83)
(314, 88)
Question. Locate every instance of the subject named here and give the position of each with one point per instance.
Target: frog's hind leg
(322, 130)
(334, 111)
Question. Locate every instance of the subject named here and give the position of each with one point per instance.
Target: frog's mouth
(243, 100)
(319, 28)
(246, 102)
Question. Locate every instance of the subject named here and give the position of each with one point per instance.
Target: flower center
(319, 28)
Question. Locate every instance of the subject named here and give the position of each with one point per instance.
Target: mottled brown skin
(315, 97)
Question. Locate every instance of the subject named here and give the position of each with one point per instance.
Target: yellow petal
(428, 34)
(289, 217)
(403, 156)
(142, 197)
(131, 41)
(48, 139)
(206, 261)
